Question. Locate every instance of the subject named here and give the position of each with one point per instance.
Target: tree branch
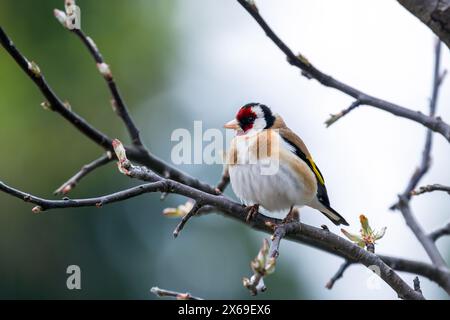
(433, 123)
(178, 295)
(339, 274)
(435, 14)
(430, 188)
(68, 186)
(55, 103)
(404, 199)
(118, 103)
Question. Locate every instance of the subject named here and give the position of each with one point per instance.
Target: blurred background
(180, 61)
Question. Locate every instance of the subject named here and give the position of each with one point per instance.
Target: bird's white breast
(276, 189)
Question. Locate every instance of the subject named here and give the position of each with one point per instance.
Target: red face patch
(246, 117)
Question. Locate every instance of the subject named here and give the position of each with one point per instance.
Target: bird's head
(253, 117)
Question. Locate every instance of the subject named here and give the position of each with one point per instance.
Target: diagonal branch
(335, 117)
(431, 122)
(435, 14)
(117, 101)
(339, 274)
(55, 103)
(68, 186)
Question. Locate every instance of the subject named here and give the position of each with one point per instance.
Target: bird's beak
(233, 124)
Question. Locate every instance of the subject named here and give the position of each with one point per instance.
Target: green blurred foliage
(123, 249)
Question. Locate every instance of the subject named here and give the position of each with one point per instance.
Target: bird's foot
(292, 216)
(252, 211)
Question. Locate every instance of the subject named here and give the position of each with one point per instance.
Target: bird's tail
(330, 213)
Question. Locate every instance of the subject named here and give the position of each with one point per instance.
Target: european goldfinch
(261, 138)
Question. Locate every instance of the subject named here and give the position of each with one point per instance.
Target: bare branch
(433, 123)
(444, 231)
(178, 295)
(403, 202)
(433, 13)
(54, 102)
(427, 243)
(68, 186)
(431, 188)
(339, 274)
(117, 101)
(46, 204)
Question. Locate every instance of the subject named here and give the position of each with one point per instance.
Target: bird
(262, 138)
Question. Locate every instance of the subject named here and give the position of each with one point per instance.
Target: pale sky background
(367, 157)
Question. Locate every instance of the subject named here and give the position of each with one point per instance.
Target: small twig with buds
(335, 117)
(431, 188)
(264, 263)
(339, 274)
(178, 295)
(68, 186)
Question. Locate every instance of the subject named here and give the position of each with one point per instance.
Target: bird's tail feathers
(330, 213)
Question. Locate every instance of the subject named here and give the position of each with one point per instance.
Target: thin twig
(185, 219)
(264, 263)
(335, 117)
(117, 101)
(339, 274)
(431, 188)
(224, 181)
(444, 231)
(68, 186)
(178, 295)
(431, 122)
